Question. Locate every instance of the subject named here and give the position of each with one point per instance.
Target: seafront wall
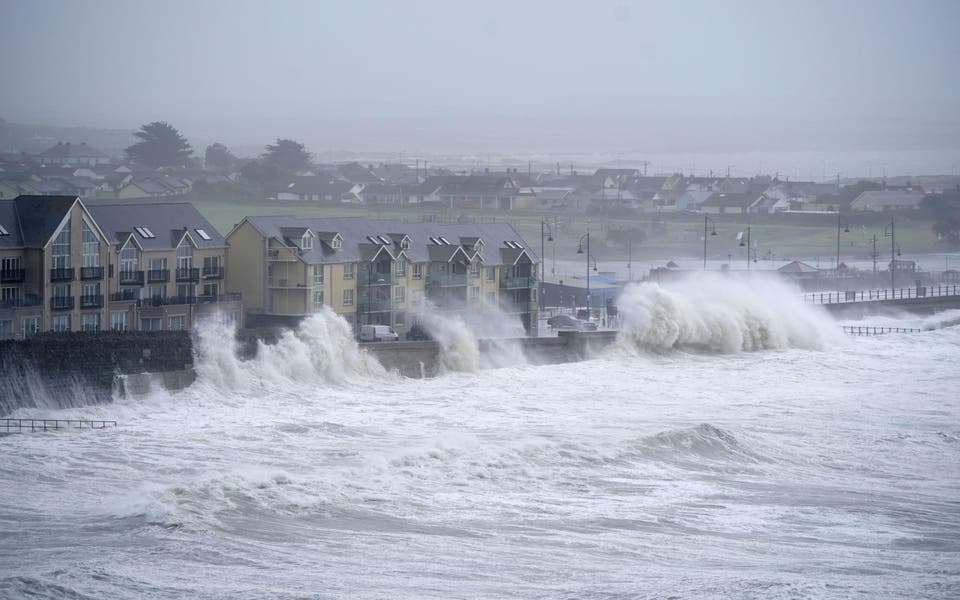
(73, 369)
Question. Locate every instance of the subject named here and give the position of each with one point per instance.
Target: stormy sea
(733, 442)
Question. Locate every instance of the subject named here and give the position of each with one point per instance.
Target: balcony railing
(91, 301)
(375, 305)
(189, 274)
(26, 301)
(13, 275)
(510, 282)
(125, 295)
(447, 279)
(61, 303)
(522, 306)
(209, 298)
(213, 272)
(365, 279)
(131, 277)
(158, 276)
(170, 300)
(61, 274)
(88, 273)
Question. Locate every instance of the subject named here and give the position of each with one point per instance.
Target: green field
(783, 237)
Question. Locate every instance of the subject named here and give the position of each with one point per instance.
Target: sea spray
(459, 349)
(719, 314)
(459, 335)
(321, 350)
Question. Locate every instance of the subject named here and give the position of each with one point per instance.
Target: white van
(378, 333)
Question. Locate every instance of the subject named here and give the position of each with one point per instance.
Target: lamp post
(890, 232)
(544, 227)
(846, 229)
(580, 251)
(707, 220)
(749, 247)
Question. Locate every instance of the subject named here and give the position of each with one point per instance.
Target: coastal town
(94, 242)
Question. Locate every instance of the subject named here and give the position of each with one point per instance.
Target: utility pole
(874, 255)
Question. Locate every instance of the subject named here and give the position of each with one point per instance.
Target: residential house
(483, 192)
(167, 265)
(317, 188)
(72, 154)
(884, 200)
(378, 271)
(725, 203)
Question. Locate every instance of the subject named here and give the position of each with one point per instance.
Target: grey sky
(586, 76)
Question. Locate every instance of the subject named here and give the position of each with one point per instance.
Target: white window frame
(400, 294)
(348, 270)
(348, 297)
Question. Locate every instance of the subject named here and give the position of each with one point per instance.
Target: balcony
(27, 301)
(520, 306)
(158, 276)
(61, 303)
(365, 279)
(188, 275)
(91, 301)
(447, 280)
(511, 282)
(131, 277)
(125, 295)
(375, 305)
(13, 275)
(208, 299)
(88, 273)
(61, 274)
(213, 272)
(170, 300)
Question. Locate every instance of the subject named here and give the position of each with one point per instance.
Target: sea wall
(73, 369)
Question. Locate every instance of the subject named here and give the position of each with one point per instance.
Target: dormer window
(336, 243)
(405, 244)
(306, 241)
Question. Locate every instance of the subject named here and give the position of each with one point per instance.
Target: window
(474, 293)
(130, 293)
(337, 242)
(400, 294)
(10, 264)
(60, 323)
(491, 298)
(186, 291)
(475, 268)
(418, 271)
(10, 296)
(176, 323)
(60, 251)
(401, 267)
(61, 290)
(348, 297)
(6, 328)
(211, 291)
(491, 273)
(152, 324)
(348, 271)
(184, 255)
(318, 276)
(318, 300)
(90, 322)
(31, 327)
(306, 241)
(203, 235)
(118, 320)
(158, 264)
(405, 244)
(90, 247)
(129, 258)
(400, 318)
(158, 292)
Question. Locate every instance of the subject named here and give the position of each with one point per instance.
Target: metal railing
(61, 303)
(870, 330)
(91, 301)
(61, 274)
(372, 279)
(21, 425)
(449, 279)
(188, 274)
(91, 272)
(158, 276)
(13, 275)
(928, 291)
(519, 282)
(131, 277)
(213, 272)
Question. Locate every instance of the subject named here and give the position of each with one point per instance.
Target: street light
(846, 229)
(890, 232)
(749, 247)
(544, 230)
(706, 220)
(580, 251)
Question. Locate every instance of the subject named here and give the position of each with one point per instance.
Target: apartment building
(377, 271)
(68, 266)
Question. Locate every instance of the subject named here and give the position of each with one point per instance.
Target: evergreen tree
(160, 145)
(219, 156)
(289, 155)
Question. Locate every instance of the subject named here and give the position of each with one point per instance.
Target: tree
(265, 174)
(160, 145)
(219, 157)
(289, 155)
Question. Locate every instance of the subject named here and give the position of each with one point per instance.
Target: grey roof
(31, 221)
(891, 198)
(69, 150)
(729, 199)
(166, 220)
(797, 267)
(356, 232)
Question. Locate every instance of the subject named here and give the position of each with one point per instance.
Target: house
(768, 205)
(72, 154)
(70, 266)
(317, 188)
(799, 270)
(483, 191)
(726, 203)
(379, 272)
(170, 265)
(884, 200)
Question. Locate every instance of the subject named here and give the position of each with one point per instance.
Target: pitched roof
(39, 217)
(887, 198)
(68, 150)
(798, 267)
(168, 221)
(728, 199)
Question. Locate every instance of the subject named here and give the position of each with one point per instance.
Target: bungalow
(724, 203)
(884, 200)
(72, 154)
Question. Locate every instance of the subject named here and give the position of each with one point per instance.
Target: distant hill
(18, 137)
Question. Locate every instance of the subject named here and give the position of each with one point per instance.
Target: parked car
(418, 333)
(378, 333)
(568, 323)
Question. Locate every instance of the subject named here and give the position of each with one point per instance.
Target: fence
(21, 425)
(932, 291)
(868, 330)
